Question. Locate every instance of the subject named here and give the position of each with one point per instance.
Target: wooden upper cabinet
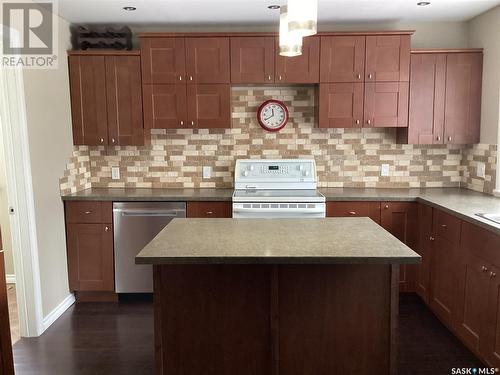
(300, 69)
(207, 60)
(124, 100)
(463, 98)
(387, 58)
(209, 106)
(427, 96)
(252, 59)
(88, 100)
(386, 104)
(340, 105)
(165, 106)
(342, 59)
(163, 60)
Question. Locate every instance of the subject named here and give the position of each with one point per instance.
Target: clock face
(272, 115)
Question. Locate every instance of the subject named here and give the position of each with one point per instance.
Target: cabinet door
(90, 257)
(386, 104)
(209, 106)
(427, 95)
(472, 299)
(209, 209)
(446, 229)
(340, 105)
(88, 100)
(6, 360)
(252, 59)
(424, 249)
(401, 219)
(165, 106)
(207, 60)
(300, 69)
(124, 100)
(387, 58)
(463, 98)
(490, 347)
(342, 59)
(163, 60)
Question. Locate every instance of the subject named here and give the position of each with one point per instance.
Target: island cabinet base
(275, 319)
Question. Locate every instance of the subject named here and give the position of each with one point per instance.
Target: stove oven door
(256, 210)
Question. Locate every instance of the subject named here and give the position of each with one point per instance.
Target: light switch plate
(481, 169)
(207, 172)
(384, 170)
(115, 173)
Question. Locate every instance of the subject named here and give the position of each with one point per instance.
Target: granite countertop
(461, 202)
(286, 241)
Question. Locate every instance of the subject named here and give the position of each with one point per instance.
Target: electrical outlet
(481, 169)
(384, 170)
(115, 173)
(207, 172)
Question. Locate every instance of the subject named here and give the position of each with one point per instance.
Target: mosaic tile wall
(344, 157)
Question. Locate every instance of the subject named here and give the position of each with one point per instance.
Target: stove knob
(301, 167)
(245, 173)
(251, 167)
(306, 173)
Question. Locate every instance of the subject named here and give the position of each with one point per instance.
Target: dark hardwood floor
(109, 338)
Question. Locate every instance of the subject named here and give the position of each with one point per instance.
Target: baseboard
(11, 279)
(58, 311)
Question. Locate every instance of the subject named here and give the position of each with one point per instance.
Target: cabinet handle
(431, 238)
(492, 275)
(190, 78)
(438, 138)
(106, 229)
(352, 212)
(88, 212)
(192, 123)
(386, 206)
(102, 140)
(279, 77)
(370, 76)
(112, 140)
(182, 123)
(180, 78)
(369, 122)
(358, 76)
(449, 139)
(444, 226)
(484, 269)
(209, 212)
(357, 122)
(268, 77)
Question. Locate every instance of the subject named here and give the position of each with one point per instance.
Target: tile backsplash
(344, 157)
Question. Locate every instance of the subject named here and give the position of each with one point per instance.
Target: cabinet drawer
(354, 209)
(478, 242)
(447, 226)
(89, 212)
(209, 209)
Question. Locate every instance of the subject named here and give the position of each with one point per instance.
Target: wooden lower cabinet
(401, 220)
(6, 360)
(90, 249)
(354, 209)
(424, 249)
(209, 209)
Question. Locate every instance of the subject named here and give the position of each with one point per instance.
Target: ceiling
(255, 12)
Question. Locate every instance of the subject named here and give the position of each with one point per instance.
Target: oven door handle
(278, 210)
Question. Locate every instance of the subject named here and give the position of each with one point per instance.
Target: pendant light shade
(290, 43)
(303, 17)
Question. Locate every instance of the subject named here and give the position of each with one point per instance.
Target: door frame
(14, 136)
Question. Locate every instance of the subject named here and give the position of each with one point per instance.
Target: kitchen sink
(492, 217)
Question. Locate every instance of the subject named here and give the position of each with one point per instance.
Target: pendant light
(290, 44)
(303, 17)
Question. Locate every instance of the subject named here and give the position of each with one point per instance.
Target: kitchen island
(280, 296)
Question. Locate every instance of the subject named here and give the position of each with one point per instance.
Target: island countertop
(277, 241)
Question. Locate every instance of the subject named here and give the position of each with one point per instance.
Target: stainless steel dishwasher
(135, 225)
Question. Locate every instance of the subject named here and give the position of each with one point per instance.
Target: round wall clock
(272, 115)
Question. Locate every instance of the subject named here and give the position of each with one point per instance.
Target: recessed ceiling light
(129, 9)
(274, 7)
(423, 3)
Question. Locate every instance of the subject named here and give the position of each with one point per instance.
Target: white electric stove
(281, 188)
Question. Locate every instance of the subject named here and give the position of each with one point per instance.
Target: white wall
(4, 218)
(49, 131)
(484, 31)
